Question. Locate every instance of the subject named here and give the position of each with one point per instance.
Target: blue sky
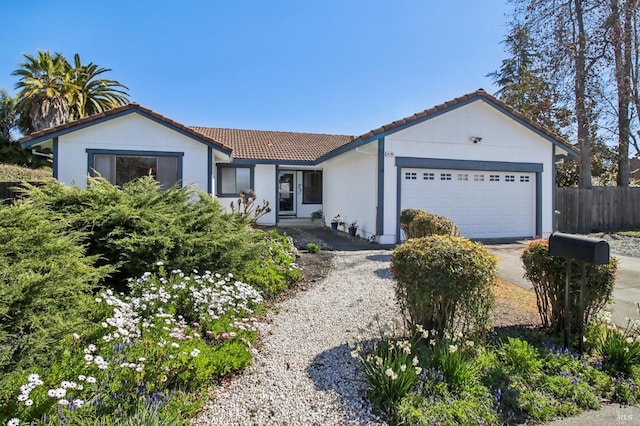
(325, 66)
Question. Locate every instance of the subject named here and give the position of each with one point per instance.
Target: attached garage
(482, 203)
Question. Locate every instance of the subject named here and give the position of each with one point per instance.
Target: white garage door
(483, 204)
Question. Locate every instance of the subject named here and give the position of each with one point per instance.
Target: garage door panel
(482, 204)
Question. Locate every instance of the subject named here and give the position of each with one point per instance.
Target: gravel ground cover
(619, 244)
(303, 373)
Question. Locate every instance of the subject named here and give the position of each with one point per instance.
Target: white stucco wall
(447, 136)
(131, 132)
(350, 188)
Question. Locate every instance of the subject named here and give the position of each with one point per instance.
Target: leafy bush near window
(138, 224)
(444, 283)
(547, 274)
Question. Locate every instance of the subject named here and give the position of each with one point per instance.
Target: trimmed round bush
(547, 274)
(443, 283)
(420, 223)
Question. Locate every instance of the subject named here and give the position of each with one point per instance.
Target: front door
(287, 196)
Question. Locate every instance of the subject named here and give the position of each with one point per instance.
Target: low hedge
(420, 223)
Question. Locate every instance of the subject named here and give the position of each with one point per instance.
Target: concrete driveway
(625, 294)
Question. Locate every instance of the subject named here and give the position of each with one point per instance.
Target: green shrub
(406, 217)
(45, 287)
(521, 357)
(426, 224)
(444, 283)
(547, 274)
(313, 248)
(274, 269)
(134, 226)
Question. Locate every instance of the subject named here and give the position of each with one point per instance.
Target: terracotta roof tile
(275, 145)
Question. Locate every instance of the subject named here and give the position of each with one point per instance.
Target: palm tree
(8, 116)
(92, 95)
(43, 97)
(53, 92)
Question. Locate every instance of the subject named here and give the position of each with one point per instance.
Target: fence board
(598, 209)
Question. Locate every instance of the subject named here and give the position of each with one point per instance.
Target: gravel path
(304, 373)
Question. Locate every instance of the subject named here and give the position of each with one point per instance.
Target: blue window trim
(321, 185)
(209, 169)
(220, 166)
(444, 163)
(380, 209)
(92, 152)
(54, 166)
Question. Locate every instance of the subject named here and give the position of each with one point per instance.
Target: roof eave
(29, 141)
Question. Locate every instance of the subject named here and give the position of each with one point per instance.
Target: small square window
(445, 176)
(478, 177)
(428, 176)
(524, 178)
(411, 176)
(509, 178)
(494, 178)
(234, 180)
(463, 176)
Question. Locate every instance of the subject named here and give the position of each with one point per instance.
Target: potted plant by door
(336, 221)
(353, 227)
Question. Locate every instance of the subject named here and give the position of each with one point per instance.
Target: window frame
(220, 167)
(304, 186)
(91, 153)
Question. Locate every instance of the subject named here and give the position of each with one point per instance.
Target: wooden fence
(602, 208)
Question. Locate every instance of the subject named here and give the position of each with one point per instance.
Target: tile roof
(274, 145)
(117, 111)
(294, 146)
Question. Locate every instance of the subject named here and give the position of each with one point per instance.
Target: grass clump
(313, 248)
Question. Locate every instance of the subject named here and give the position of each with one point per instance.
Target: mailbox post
(583, 249)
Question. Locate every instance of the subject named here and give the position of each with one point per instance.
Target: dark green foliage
(547, 274)
(134, 226)
(419, 223)
(443, 283)
(45, 286)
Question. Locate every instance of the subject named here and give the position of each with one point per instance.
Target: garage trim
(446, 163)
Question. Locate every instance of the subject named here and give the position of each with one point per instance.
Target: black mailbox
(579, 248)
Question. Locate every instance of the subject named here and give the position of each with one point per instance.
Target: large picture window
(312, 193)
(122, 167)
(234, 180)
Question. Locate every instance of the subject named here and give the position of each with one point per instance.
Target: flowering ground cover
(83, 343)
(419, 380)
(151, 352)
